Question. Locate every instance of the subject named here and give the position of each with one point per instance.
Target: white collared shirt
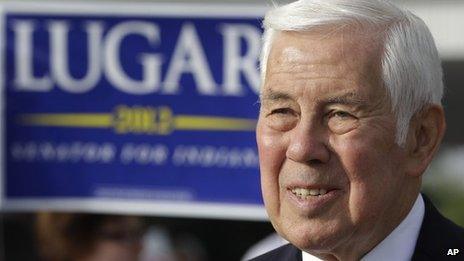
(400, 244)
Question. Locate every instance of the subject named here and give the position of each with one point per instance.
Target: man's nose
(307, 145)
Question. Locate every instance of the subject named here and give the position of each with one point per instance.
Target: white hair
(410, 64)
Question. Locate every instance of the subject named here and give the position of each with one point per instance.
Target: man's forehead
(293, 54)
(289, 46)
(299, 59)
(297, 47)
(350, 97)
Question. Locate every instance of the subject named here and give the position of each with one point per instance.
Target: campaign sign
(143, 108)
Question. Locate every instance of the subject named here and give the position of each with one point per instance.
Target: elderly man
(350, 119)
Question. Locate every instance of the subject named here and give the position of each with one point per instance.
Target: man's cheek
(357, 155)
(365, 170)
(272, 151)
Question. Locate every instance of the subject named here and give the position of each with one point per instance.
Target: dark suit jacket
(437, 235)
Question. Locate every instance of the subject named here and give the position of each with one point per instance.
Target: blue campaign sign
(141, 108)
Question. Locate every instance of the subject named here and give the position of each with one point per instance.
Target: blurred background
(127, 128)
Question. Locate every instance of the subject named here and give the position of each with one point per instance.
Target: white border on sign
(138, 9)
(125, 206)
(143, 207)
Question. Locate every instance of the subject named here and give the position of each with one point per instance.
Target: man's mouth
(310, 198)
(305, 193)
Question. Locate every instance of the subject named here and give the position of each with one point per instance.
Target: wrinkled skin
(326, 122)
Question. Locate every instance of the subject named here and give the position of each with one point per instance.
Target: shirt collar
(400, 243)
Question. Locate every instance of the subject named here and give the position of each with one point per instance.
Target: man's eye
(341, 114)
(282, 111)
(281, 119)
(341, 122)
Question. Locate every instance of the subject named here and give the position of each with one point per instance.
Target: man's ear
(426, 131)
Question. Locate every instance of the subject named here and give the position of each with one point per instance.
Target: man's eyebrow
(346, 99)
(349, 98)
(274, 96)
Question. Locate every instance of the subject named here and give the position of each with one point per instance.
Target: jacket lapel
(436, 236)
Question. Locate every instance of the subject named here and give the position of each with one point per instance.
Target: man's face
(331, 172)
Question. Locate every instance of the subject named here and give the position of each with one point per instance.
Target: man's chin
(311, 244)
(312, 240)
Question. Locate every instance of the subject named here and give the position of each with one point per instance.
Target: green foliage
(448, 198)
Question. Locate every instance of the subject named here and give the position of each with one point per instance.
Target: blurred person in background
(94, 237)
(350, 120)
(89, 237)
(160, 244)
(270, 242)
